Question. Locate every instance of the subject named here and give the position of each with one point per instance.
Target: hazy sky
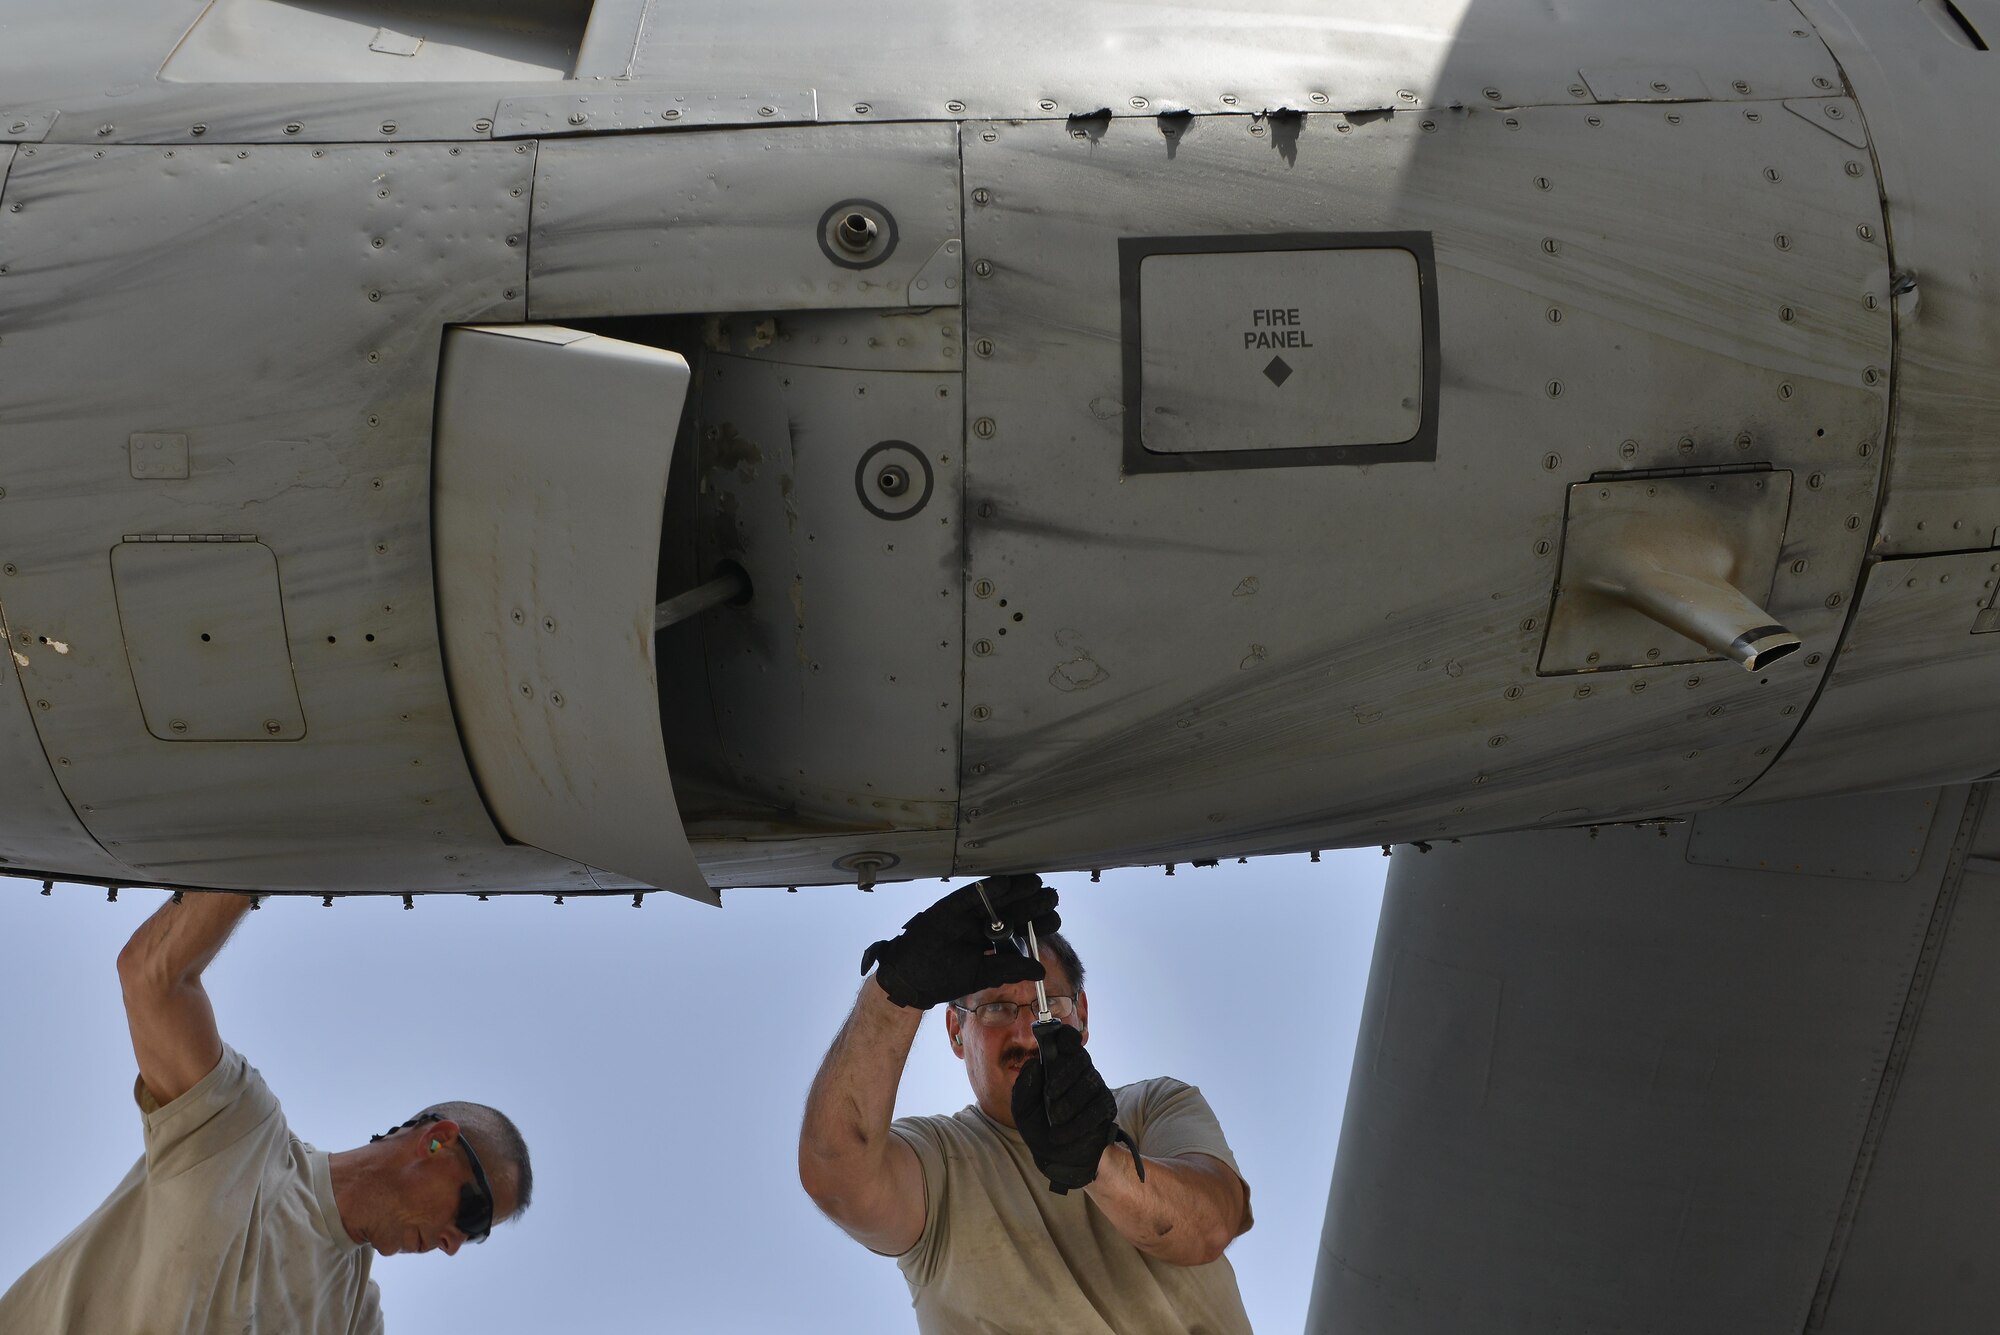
(657, 1061)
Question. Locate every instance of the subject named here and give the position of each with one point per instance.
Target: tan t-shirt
(1000, 1252)
(225, 1226)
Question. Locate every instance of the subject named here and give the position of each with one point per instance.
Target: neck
(349, 1171)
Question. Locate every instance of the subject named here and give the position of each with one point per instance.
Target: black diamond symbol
(1277, 371)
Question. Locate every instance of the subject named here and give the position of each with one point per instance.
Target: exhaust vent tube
(1706, 608)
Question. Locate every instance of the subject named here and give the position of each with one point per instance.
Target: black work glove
(947, 951)
(1063, 1108)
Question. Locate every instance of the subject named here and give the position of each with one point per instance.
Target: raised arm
(173, 1025)
(1189, 1208)
(867, 1180)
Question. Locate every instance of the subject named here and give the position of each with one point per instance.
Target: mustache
(1010, 1055)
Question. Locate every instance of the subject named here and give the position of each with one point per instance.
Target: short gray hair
(497, 1141)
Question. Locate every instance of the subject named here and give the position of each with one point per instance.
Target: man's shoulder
(1159, 1089)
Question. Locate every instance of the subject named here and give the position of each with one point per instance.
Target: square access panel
(1289, 349)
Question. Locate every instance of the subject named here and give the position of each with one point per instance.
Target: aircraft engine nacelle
(1135, 445)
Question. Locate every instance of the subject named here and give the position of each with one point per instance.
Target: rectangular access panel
(204, 628)
(1301, 348)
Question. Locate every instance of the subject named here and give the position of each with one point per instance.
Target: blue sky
(657, 1061)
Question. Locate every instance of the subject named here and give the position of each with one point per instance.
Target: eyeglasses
(475, 1198)
(1000, 1014)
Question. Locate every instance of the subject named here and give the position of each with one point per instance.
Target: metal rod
(1041, 988)
(726, 587)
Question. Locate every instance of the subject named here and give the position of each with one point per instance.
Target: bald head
(501, 1150)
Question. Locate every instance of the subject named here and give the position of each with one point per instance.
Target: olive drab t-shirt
(226, 1225)
(1000, 1252)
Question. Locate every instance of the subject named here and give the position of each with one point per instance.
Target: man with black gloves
(1053, 1203)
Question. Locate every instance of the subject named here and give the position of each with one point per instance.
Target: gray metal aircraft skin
(1561, 287)
(1149, 433)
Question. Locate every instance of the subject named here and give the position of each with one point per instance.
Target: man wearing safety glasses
(230, 1223)
(1053, 1203)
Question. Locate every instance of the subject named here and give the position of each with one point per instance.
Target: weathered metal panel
(597, 111)
(905, 58)
(857, 591)
(551, 475)
(1349, 653)
(1912, 644)
(642, 225)
(282, 309)
(1917, 78)
(204, 627)
(1599, 1088)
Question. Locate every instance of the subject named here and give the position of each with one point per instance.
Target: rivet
(1583, 692)
(982, 647)
(1834, 113)
(273, 727)
(1871, 375)
(1593, 121)
(293, 127)
(984, 268)
(1785, 390)
(1638, 688)
(954, 107)
(1686, 445)
(1512, 122)
(1693, 682)
(1865, 448)
(1552, 461)
(1773, 175)
(197, 130)
(981, 713)
(862, 108)
(507, 295)
(1853, 169)
(1544, 547)
(1228, 100)
(982, 196)
(513, 240)
(1812, 660)
(1820, 81)
(1673, 118)
(555, 698)
(1529, 623)
(1741, 87)
(374, 356)
(1798, 567)
(1852, 522)
(388, 127)
(1578, 90)
(984, 428)
(1782, 241)
(177, 725)
(377, 242)
(1834, 600)
(1555, 389)
(983, 348)
(1787, 314)
(1660, 86)
(1047, 104)
(767, 111)
(1406, 95)
(1628, 449)
(1865, 232)
(1743, 440)
(1544, 183)
(374, 296)
(579, 117)
(8, 568)
(1492, 94)
(1318, 99)
(982, 588)
(1138, 104)
(1816, 480)
(1427, 126)
(1497, 739)
(482, 126)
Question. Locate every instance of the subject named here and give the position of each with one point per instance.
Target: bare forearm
(180, 940)
(844, 1138)
(174, 1036)
(1186, 1212)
